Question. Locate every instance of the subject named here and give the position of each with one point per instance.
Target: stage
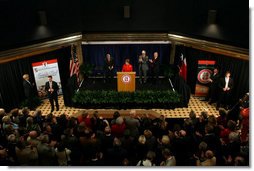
(194, 104)
(100, 83)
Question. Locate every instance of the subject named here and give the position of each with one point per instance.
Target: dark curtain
(11, 87)
(239, 68)
(95, 54)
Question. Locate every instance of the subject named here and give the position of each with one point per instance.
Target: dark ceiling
(20, 23)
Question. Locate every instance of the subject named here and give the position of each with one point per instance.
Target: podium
(126, 81)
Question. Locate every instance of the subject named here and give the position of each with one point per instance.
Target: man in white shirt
(225, 86)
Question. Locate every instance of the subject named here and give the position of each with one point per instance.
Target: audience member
(209, 161)
(169, 159)
(132, 124)
(149, 160)
(62, 155)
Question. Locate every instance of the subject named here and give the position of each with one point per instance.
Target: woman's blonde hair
(142, 139)
(165, 139)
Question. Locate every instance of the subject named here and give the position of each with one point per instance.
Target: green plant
(136, 99)
(86, 69)
(168, 71)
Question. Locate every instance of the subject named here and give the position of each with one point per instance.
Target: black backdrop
(11, 87)
(95, 54)
(239, 68)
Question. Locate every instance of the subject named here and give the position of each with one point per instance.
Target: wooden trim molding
(125, 37)
(47, 46)
(200, 44)
(213, 47)
(39, 48)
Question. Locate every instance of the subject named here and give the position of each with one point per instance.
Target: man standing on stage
(28, 87)
(81, 84)
(52, 88)
(109, 68)
(154, 63)
(143, 66)
(213, 86)
(28, 90)
(225, 88)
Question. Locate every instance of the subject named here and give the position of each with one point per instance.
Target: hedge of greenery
(137, 99)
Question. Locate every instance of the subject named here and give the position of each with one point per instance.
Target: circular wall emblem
(126, 79)
(204, 75)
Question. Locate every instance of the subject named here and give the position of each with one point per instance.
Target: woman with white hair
(8, 126)
(149, 160)
(210, 159)
(31, 126)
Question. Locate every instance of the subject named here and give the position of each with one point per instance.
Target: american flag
(74, 64)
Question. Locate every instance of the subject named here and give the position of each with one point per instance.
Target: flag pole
(171, 84)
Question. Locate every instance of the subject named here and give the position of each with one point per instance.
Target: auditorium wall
(20, 23)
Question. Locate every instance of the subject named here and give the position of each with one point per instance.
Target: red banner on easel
(205, 69)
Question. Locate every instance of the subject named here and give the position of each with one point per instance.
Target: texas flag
(183, 67)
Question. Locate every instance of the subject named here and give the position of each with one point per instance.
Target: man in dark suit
(109, 68)
(155, 67)
(225, 89)
(213, 86)
(28, 87)
(51, 88)
(82, 82)
(72, 87)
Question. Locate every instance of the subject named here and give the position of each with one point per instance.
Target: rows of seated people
(133, 140)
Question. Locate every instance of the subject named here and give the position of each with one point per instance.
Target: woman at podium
(127, 67)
